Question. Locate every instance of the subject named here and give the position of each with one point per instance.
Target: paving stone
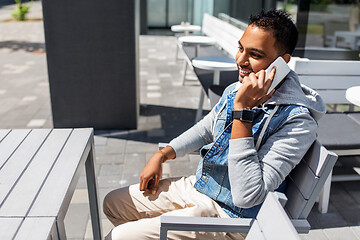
(76, 220)
(99, 140)
(356, 231)
(106, 228)
(340, 233)
(115, 146)
(80, 196)
(100, 150)
(110, 159)
(351, 216)
(317, 234)
(111, 169)
(331, 220)
(113, 181)
(353, 189)
(140, 147)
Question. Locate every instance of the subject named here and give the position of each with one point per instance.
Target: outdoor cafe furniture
(338, 131)
(184, 28)
(352, 37)
(272, 222)
(194, 42)
(215, 64)
(353, 95)
(39, 170)
(304, 184)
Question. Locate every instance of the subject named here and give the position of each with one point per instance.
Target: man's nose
(242, 59)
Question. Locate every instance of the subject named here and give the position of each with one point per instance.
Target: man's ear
(286, 57)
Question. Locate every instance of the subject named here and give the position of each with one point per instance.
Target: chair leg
(177, 52)
(163, 233)
(184, 72)
(325, 195)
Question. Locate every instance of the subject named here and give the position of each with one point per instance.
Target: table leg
(92, 193)
(216, 80)
(197, 49)
(61, 229)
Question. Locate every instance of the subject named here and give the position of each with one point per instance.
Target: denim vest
(212, 177)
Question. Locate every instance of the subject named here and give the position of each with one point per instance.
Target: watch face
(247, 115)
(243, 115)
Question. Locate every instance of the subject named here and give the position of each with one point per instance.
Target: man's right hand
(150, 176)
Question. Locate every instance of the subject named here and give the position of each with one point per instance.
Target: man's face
(257, 51)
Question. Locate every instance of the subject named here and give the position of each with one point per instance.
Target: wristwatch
(245, 115)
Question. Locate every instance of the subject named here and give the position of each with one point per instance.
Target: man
(243, 157)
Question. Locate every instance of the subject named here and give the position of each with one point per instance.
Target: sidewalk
(167, 109)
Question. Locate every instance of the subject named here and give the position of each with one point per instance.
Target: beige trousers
(136, 215)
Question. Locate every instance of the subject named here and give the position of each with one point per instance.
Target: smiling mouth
(244, 72)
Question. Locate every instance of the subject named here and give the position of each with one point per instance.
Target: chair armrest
(206, 224)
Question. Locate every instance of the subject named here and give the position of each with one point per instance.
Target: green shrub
(20, 11)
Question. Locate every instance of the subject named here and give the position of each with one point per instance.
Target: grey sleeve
(253, 174)
(195, 137)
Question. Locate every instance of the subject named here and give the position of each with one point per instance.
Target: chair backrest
(272, 222)
(330, 78)
(307, 179)
(225, 34)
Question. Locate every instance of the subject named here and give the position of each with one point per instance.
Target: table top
(200, 40)
(183, 28)
(215, 63)
(353, 95)
(39, 169)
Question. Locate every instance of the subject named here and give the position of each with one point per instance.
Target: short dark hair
(281, 25)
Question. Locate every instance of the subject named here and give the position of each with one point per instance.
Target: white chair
(304, 185)
(272, 222)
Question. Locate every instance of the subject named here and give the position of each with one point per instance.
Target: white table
(186, 29)
(353, 37)
(197, 41)
(39, 170)
(353, 95)
(215, 64)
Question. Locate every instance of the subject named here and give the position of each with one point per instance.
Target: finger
(260, 72)
(253, 79)
(143, 184)
(272, 73)
(150, 184)
(246, 79)
(261, 78)
(270, 79)
(156, 185)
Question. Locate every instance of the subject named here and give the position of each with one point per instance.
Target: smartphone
(282, 69)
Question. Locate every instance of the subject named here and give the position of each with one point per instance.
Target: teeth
(245, 72)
